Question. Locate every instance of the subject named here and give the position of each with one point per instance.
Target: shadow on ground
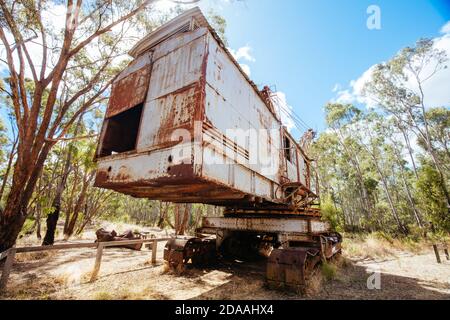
(350, 283)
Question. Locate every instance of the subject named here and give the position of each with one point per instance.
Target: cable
(298, 122)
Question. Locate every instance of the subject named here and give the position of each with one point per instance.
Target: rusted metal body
(186, 83)
(179, 128)
(120, 99)
(294, 225)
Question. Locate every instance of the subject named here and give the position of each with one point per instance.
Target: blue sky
(306, 47)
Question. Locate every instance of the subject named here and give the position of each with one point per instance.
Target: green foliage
(366, 163)
(371, 184)
(27, 227)
(431, 196)
(330, 213)
(340, 114)
(219, 24)
(366, 183)
(383, 235)
(439, 130)
(329, 270)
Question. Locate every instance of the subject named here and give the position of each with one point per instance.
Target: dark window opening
(287, 149)
(121, 132)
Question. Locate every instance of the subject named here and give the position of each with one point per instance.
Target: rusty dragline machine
(185, 124)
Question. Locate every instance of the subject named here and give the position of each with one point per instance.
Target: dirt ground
(127, 274)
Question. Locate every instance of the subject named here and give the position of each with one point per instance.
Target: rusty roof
(180, 23)
(169, 29)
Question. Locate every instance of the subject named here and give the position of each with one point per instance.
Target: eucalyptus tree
(439, 128)
(397, 86)
(71, 64)
(373, 140)
(397, 147)
(326, 152)
(340, 118)
(53, 215)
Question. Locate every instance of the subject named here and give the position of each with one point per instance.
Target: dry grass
(333, 270)
(315, 284)
(127, 294)
(378, 245)
(34, 256)
(101, 295)
(134, 278)
(36, 288)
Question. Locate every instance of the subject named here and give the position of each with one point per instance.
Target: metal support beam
(295, 225)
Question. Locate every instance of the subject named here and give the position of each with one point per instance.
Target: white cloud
(283, 109)
(243, 53)
(164, 5)
(435, 89)
(344, 96)
(337, 87)
(246, 68)
(446, 28)
(55, 16)
(437, 93)
(354, 92)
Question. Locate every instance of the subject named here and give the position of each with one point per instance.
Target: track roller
(291, 268)
(180, 251)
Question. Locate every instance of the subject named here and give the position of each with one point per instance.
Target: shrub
(27, 227)
(329, 271)
(330, 213)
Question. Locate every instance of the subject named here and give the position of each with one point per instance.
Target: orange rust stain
(122, 98)
(179, 109)
(101, 177)
(123, 174)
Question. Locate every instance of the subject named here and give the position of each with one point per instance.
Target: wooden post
(435, 247)
(323, 244)
(7, 268)
(10, 254)
(98, 261)
(154, 251)
(4, 254)
(436, 252)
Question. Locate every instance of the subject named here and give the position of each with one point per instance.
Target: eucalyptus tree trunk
(182, 216)
(417, 214)
(8, 168)
(163, 211)
(43, 114)
(53, 217)
(410, 151)
(388, 195)
(430, 146)
(357, 166)
(78, 205)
